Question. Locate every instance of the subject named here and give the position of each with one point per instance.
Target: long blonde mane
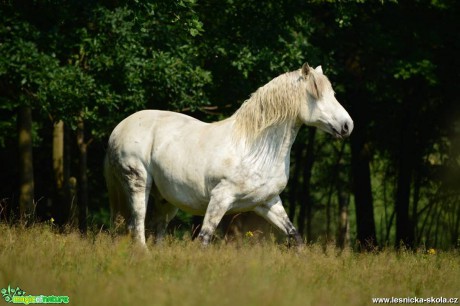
(277, 102)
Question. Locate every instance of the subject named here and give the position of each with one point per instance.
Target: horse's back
(140, 132)
(144, 122)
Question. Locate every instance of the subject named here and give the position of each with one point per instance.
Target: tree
(392, 65)
(390, 62)
(52, 55)
(23, 69)
(26, 168)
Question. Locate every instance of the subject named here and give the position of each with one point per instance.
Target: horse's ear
(305, 69)
(319, 69)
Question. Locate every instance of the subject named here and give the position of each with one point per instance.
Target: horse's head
(322, 108)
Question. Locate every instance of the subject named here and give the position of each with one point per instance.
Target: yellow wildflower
(431, 251)
(249, 234)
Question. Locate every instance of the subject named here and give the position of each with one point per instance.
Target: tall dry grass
(105, 270)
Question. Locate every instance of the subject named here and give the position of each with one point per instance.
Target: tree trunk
(415, 202)
(407, 155)
(68, 195)
(26, 168)
(343, 238)
(82, 191)
(334, 183)
(294, 181)
(360, 158)
(61, 175)
(58, 154)
(404, 230)
(305, 213)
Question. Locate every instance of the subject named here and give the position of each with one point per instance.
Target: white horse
(212, 169)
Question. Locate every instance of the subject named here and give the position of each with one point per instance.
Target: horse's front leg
(218, 205)
(273, 211)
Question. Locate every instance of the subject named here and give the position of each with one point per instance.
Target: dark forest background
(71, 70)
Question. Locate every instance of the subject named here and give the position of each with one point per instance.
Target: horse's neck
(273, 146)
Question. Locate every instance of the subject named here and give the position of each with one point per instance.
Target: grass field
(105, 270)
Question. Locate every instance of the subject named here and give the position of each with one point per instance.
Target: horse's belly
(187, 196)
(192, 197)
(188, 203)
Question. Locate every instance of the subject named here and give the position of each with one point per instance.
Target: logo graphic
(18, 296)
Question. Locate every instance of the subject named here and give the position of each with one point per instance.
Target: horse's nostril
(345, 128)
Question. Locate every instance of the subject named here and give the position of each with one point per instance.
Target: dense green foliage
(393, 65)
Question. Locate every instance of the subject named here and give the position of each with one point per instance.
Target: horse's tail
(117, 200)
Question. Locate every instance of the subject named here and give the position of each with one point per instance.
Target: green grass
(105, 270)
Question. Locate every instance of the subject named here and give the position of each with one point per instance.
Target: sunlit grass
(106, 270)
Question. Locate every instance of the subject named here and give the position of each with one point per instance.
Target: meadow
(103, 269)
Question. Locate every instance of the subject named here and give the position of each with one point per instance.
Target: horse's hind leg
(159, 214)
(274, 213)
(137, 183)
